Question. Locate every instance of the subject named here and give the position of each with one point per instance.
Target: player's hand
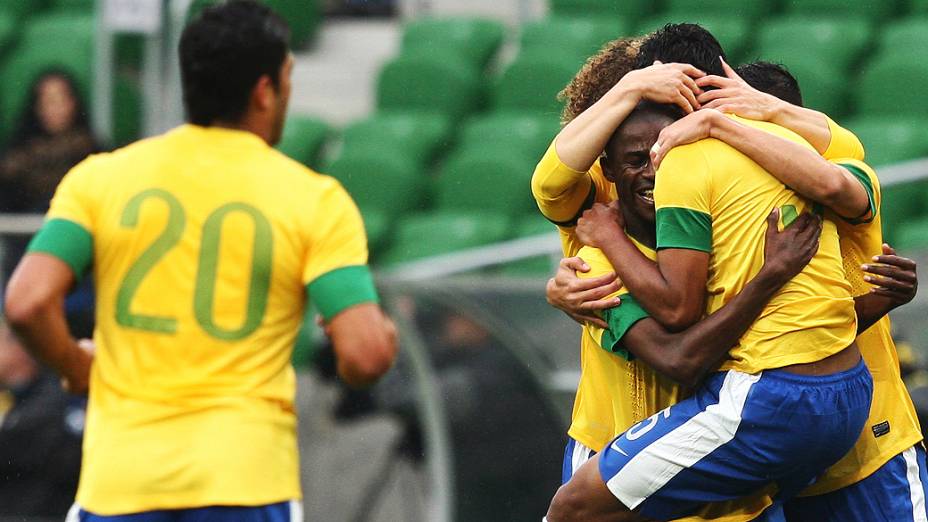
(667, 83)
(77, 379)
(581, 298)
(600, 224)
(733, 95)
(690, 128)
(894, 277)
(786, 253)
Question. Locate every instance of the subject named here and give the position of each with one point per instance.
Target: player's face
(283, 99)
(629, 162)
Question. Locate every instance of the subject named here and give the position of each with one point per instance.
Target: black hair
(30, 125)
(772, 78)
(223, 53)
(682, 43)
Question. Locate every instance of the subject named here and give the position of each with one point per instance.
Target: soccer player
(885, 474)
(204, 243)
(796, 379)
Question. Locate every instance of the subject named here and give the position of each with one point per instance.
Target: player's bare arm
(364, 340)
(896, 283)
(35, 310)
(586, 498)
(688, 355)
(671, 290)
(580, 298)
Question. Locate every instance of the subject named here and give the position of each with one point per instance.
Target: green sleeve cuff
(587, 204)
(67, 241)
(342, 288)
(684, 228)
(864, 179)
(620, 320)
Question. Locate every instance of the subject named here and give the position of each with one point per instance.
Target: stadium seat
(77, 5)
(890, 140)
(581, 36)
(745, 9)
(893, 84)
(487, 178)
(427, 83)
(823, 89)
(303, 16)
(9, 30)
(629, 10)
(902, 203)
(836, 42)
(377, 226)
(387, 183)
(912, 236)
(908, 33)
(303, 139)
(419, 136)
(731, 30)
(871, 9)
(20, 9)
(427, 234)
(533, 81)
(528, 132)
(532, 267)
(918, 6)
(475, 39)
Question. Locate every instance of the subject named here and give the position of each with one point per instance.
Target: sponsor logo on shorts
(880, 429)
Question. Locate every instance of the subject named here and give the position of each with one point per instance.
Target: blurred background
(433, 114)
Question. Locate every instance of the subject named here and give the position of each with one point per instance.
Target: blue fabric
(884, 495)
(567, 468)
(279, 512)
(792, 428)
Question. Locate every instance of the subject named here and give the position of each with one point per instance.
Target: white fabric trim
(296, 511)
(74, 513)
(916, 489)
(580, 455)
(652, 468)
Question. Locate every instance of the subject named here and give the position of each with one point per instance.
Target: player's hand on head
(673, 83)
(692, 127)
(600, 224)
(893, 276)
(581, 298)
(731, 94)
(788, 251)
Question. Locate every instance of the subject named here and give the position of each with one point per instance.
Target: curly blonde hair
(600, 72)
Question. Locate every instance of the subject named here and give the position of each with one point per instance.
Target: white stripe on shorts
(916, 490)
(653, 467)
(296, 511)
(74, 514)
(579, 457)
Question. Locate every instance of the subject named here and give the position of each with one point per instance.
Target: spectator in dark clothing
(40, 437)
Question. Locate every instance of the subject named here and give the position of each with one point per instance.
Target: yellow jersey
(893, 424)
(204, 243)
(712, 198)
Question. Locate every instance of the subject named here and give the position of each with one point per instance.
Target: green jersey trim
(342, 288)
(66, 240)
(684, 228)
(864, 179)
(620, 320)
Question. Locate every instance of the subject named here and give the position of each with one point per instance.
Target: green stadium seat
(21, 9)
(908, 33)
(9, 31)
(418, 136)
(581, 36)
(475, 39)
(630, 10)
(377, 226)
(75, 5)
(426, 82)
(487, 178)
(890, 140)
(871, 9)
(533, 267)
(835, 42)
(823, 89)
(918, 6)
(902, 203)
(893, 84)
(745, 9)
(533, 81)
(428, 234)
(732, 31)
(303, 16)
(912, 236)
(387, 183)
(528, 132)
(303, 139)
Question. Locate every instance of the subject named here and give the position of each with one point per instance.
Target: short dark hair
(682, 43)
(223, 53)
(772, 78)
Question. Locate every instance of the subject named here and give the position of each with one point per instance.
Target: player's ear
(607, 167)
(263, 95)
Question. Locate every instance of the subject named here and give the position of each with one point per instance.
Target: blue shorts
(737, 434)
(575, 455)
(291, 511)
(896, 492)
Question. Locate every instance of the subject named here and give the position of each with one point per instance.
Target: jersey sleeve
(867, 177)
(843, 144)
(335, 270)
(562, 193)
(682, 200)
(69, 224)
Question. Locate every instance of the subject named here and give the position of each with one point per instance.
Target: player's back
(203, 241)
(712, 198)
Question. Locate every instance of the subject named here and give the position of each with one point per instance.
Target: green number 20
(204, 292)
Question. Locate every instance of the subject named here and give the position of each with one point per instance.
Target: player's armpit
(364, 341)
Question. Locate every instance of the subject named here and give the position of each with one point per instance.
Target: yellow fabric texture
(843, 144)
(891, 402)
(812, 316)
(202, 413)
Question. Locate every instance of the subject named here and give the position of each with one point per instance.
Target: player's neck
(258, 128)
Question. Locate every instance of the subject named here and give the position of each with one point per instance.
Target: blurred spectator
(40, 437)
